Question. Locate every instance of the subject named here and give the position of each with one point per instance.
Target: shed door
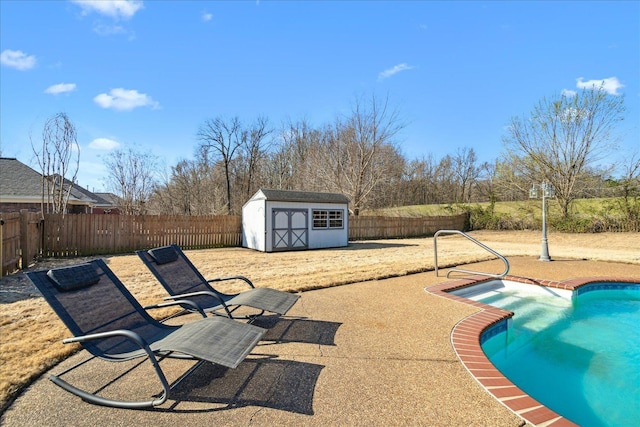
(290, 229)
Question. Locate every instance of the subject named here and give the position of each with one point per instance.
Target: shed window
(328, 218)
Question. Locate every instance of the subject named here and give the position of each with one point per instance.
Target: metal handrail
(483, 246)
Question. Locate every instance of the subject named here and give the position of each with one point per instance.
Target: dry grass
(31, 333)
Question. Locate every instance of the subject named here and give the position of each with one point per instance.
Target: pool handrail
(460, 270)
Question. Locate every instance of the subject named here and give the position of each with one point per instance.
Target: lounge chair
(182, 280)
(110, 324)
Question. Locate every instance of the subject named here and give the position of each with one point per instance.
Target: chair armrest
(130, 335)
(211, 294)
(195, 306)
(244, 279)
(195, 294)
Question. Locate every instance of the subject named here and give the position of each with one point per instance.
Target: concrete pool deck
(370, 353)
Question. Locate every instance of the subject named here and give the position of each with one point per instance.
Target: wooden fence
(25, 235)
(19, 240)
(82, 235)
(377, 227)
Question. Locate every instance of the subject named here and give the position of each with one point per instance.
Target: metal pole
(544, 255)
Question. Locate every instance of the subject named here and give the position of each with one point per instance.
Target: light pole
(546, 191)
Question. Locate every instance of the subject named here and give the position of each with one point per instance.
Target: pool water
(578, 356)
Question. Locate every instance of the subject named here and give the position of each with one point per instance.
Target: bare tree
(445, 179)
(253, 147)
(417, 175)
(292, 163)
(511, 182)
(358, 152)
(224, 138)
(466, 172)
(192, 188)
(176, 194)
(132, 178)
(59, 160)
(487, 182)
(563, 136)
(630, 186)
(431, 181)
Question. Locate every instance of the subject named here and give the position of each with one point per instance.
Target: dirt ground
(360, 261)
(25, 315)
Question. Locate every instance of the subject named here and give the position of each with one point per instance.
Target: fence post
(25, 247)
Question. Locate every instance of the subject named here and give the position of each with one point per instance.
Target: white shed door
(290, 229)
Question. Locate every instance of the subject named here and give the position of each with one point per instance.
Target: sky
(146, 75)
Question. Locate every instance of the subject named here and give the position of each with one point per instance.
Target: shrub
(487, 219)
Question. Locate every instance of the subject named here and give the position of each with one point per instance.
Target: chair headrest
(163, 255)
(74, 277)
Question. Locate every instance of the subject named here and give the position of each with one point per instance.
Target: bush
(487, 219)
(576, 224)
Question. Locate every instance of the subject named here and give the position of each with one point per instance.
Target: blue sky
(146, 75)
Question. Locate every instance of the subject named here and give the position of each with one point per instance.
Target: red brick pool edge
(465, 339)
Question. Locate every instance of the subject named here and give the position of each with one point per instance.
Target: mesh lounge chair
(110, 324)
(182, 280)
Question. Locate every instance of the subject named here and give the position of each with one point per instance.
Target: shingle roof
(109, 199)
(81, 193)
(303, 196)
(18, 179)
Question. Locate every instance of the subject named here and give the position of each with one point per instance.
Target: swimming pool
(578, 353)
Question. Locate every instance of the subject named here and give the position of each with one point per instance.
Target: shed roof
(302, 196)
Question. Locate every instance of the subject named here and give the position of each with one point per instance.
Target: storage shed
(283, 220)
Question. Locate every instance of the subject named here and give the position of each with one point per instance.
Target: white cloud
(610, 85)
(60, 88)
(569, 93)
(124, 100)
(117, 9)
(104, 144)
(17, 59)
(391, 71)
(206, 17)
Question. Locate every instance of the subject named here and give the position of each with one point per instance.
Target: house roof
(18, 180)
(301, 196)
(99, 199)
(108, 199)
(20, 183)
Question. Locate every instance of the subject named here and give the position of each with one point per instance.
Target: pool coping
(466, 334)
